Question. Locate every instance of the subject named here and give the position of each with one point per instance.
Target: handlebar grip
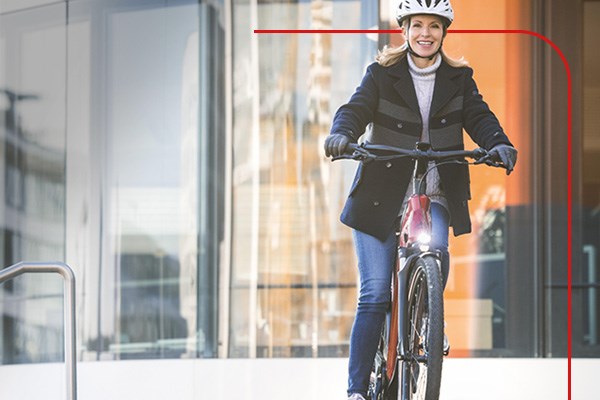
(352, 146)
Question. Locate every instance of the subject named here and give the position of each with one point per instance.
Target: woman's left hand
(505, 154)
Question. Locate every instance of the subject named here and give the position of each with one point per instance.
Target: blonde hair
(392, 55)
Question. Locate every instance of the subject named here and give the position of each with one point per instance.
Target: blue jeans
(375, 266)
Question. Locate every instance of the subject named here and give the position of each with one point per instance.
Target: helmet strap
(431, 57)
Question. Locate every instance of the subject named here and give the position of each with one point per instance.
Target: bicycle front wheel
(378, 380)
(424, 336)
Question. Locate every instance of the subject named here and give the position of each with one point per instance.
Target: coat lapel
(404, 85)
(445, 89)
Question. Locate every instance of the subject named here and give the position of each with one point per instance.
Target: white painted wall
(291, 379)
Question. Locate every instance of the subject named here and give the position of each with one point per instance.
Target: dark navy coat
(386, 100)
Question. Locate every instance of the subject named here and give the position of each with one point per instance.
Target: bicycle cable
(422, 178)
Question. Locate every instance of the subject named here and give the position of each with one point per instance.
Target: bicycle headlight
(423, 240)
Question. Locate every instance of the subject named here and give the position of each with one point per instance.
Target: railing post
(70, 339)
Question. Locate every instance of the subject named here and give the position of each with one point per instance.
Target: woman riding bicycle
(412, 93)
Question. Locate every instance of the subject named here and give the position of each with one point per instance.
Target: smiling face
(424, 34)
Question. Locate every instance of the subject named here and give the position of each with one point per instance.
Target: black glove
(506, 154)
(335, 144)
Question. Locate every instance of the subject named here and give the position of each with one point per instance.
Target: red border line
(569, 143)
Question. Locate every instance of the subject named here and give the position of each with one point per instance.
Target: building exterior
(173, 158)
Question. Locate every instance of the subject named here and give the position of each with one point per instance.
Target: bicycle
(412, 338)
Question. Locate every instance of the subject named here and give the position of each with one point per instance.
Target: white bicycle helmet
(441, 8)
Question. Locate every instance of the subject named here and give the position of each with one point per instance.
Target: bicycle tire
(378, 379)
(424, 337)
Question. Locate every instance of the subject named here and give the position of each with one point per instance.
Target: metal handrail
(69, 311)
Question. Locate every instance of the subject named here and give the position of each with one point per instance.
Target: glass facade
(117, 118)
(174, 159)
(588, 277)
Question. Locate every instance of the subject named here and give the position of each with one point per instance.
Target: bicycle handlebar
(365, 152)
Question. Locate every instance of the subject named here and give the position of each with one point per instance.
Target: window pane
(587, 280)
(293, 270)
(491, 298)
(32, 180)
(146, 157)
(293, 290)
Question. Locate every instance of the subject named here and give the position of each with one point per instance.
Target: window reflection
(32, 180)
(144, 107)
(16, 5)
(145, 181)
(589, 275)
(293, 271)
(293, 291)
(150, 204)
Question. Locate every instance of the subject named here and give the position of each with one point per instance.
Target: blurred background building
(174, 159)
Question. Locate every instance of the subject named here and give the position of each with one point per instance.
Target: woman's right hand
(335, 144)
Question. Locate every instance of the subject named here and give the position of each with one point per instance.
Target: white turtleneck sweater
(424, 81)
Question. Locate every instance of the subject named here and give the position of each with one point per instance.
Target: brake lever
(489, 160)
(359, 154)
(482, 156)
